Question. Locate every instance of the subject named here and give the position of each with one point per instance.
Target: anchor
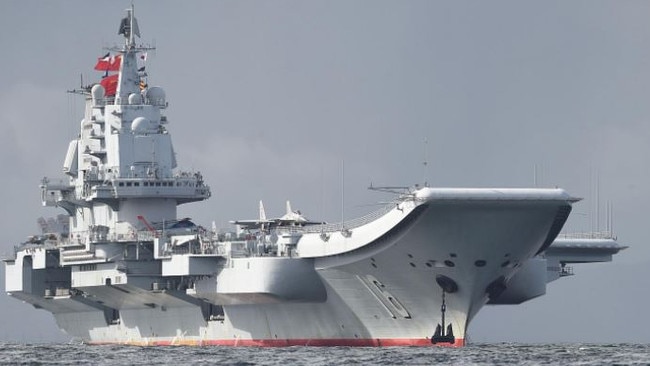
(441, 336)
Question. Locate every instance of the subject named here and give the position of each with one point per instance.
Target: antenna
(540, 174)
(129, 27)
(131, 33)
(591, 198)
(343, 194)
(344, 231)
(322, 192)
(606, 216)
(611, 219)
(597, 200)
(424, 164)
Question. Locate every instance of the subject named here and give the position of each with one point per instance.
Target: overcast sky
(305, 100)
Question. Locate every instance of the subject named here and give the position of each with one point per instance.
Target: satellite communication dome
(142, 125)
(97, 93)
(155, 96)
(135, 99)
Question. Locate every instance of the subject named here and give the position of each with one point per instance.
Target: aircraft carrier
(118, 265)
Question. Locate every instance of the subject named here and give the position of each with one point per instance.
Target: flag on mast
(110, 84)
(109, 63)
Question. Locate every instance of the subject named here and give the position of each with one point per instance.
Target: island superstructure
(119, 266)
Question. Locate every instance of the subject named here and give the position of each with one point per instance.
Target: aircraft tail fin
(262, 212)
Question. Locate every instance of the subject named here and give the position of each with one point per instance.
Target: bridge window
(87, 267)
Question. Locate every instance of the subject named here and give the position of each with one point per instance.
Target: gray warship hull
(120, 267)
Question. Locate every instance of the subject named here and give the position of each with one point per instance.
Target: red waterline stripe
(343, 342)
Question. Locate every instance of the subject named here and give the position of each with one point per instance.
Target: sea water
(475, 354)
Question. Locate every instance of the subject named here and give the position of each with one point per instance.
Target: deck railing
(588, 235)
(350, 224)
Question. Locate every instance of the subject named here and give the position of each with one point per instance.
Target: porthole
(505, 264)
(480, 263)
(412, 264)
(449, 263)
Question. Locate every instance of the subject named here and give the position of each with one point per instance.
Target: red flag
(110, 84)
(109, 63)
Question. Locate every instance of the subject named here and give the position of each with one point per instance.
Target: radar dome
(97, 93)
(135, 99)
(142, 125)
(155, 96)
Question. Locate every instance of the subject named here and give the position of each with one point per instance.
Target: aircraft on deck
(290, 218)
